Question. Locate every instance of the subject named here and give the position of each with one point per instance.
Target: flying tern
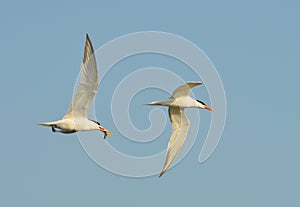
(179, 100)
(76, 119)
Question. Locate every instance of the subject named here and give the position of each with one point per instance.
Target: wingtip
(161, 174)
(88, 38)
(88, 49)
(154, 103)
(194, 82)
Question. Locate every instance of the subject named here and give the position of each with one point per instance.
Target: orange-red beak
(105, 131)
(208, 108)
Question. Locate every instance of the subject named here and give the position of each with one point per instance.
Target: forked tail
(166, 102)
(49, 124)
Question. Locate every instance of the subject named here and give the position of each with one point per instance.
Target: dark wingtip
(88, 49)
(89, 40)
(161, 174)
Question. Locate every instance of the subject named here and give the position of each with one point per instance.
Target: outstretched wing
(88, 84)
(184, 90)
(180, 125)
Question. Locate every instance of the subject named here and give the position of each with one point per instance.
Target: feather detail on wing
(180, 126)
(88, 84)
(184, 90)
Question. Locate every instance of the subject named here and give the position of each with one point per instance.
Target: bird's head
(102, 129)
(202, 105)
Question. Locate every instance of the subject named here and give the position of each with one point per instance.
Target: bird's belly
(67, 131)
(66, 126)
(72, 125)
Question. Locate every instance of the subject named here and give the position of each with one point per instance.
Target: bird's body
(71, 125)
(76, 119)
(183, 102)
(179, 100)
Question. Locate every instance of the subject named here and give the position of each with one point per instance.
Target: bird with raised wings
(76, 119)
(179, 100)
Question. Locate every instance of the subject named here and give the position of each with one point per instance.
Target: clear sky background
(255, 47)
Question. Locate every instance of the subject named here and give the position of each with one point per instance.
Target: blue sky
(255, 48)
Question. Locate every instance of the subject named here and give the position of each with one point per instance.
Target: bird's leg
(53, 129)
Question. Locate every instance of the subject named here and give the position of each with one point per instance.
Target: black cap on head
(201, 102)
(96, 122)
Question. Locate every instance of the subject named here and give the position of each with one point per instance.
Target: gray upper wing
(184, 90)
(88, 84)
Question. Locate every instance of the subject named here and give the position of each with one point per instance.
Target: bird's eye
(201, 102)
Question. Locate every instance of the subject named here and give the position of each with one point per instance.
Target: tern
(179, 100)
(76, 119)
